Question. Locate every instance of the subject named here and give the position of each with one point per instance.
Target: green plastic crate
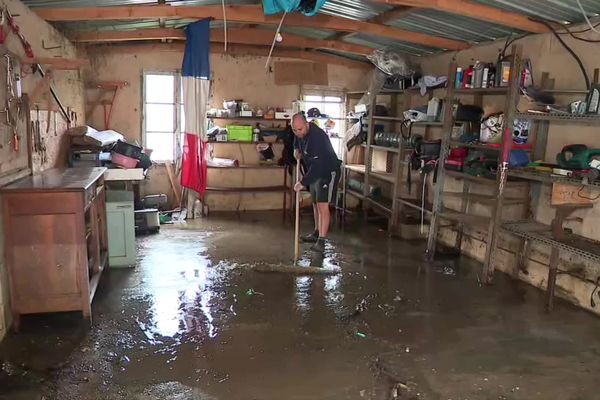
(239, 133)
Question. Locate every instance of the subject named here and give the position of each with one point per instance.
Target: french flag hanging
(196, 87)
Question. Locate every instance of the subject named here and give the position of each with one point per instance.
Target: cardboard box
(563, 194)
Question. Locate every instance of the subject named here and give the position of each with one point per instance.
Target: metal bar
(511, 102)
(63, 111)
(540, 138)
(438, 202)
(552, 272)
(398, 168)
(368, 154)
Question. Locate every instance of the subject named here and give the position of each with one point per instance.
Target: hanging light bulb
(279, 38)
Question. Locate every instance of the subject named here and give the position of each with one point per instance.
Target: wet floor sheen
(194, 321)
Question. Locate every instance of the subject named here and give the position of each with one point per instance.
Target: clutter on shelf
(240, 109)
(92, 148)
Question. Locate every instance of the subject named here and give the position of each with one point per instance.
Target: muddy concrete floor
(193, 321)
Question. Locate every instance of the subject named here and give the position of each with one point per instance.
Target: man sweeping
(322, 175)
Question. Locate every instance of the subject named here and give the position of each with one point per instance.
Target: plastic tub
(239, 133)
(123, 161)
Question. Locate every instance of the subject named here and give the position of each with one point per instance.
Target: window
(331, 105)
(162, 120)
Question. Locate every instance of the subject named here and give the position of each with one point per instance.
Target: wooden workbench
(55, 240)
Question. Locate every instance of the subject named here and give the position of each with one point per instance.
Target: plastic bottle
(468, 77)
(459, 78)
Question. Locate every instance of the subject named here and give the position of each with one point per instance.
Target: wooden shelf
(360, 168)
(250, 119)
(486, 147)
(384, 176)
(480, 179)
(388, 149)
(559, 117)
(381, 204)
(264, 189)
(415, 204)
(383, 92)
(549, 178)
(466, 219)
(462, 175)
(354, 193)
(482, 91)
(485, 199)
(384, 148)
(234, 142)
(400, 119)
(250, 166)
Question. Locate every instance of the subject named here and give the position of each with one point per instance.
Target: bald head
(300, 125)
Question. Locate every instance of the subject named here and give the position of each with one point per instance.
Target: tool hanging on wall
(14, 28)
(13, 102)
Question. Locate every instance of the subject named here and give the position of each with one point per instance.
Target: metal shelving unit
(572, 243)
(463, 218)
(396, 164)
(553, 235)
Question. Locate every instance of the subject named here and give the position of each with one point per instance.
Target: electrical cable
(572, 34)
(277, 33)
(586, 17)
(224, 25)
(566, 46)
(592, 302)
(586, 197)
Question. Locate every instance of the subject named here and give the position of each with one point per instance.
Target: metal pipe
(66, 115)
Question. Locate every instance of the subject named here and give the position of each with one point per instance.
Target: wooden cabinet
(55, 240)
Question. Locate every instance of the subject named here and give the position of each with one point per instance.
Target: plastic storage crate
(239, 133)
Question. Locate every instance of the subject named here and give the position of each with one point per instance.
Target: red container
(454, 165)
(123, 161)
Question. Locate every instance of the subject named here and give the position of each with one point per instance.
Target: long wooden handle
(297, 227)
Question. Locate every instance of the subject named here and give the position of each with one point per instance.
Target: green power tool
(576, 156)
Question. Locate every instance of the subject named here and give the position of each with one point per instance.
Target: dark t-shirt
(318, 154)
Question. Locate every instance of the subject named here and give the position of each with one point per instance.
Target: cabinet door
(45, 255)
(121, 233)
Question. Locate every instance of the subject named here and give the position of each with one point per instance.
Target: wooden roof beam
(252, 14)
(238, 50)
(468, 8)
(57, 63)
(236, 35)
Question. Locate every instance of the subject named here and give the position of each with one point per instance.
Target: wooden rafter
(238, 50)
(474, 10)
(252, 14)
(251, 36)
(57, 63)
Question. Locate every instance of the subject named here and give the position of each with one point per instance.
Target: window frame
(324, 92)
(177, 115)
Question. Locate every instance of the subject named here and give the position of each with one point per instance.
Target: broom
(295, 268)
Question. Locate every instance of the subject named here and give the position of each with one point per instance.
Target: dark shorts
(324, 189)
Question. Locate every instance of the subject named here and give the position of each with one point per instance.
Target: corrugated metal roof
(427, 21)
(554, 10)
(456, 27)
(377, 42)
(307, 32)
(353, 9)
(111, 3)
